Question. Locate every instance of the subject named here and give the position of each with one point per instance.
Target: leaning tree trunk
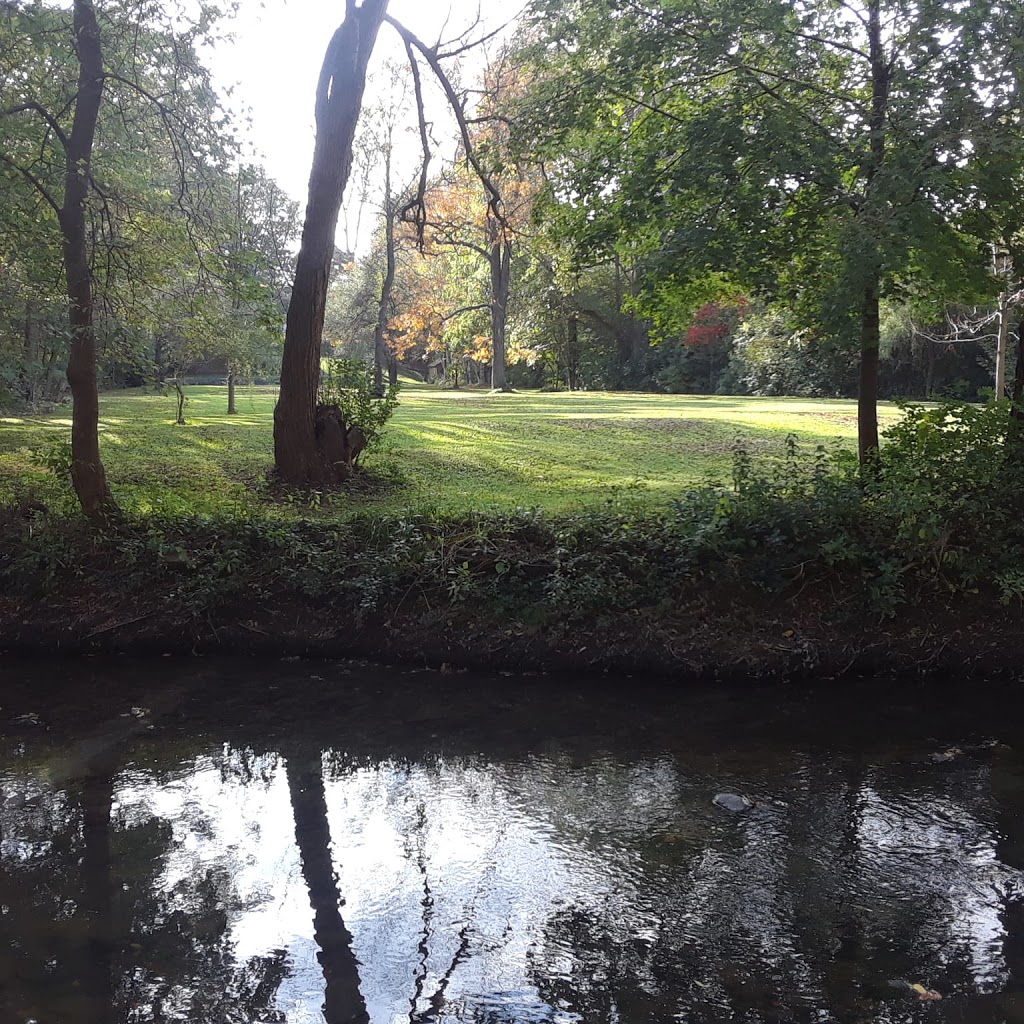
(500, 260)
(305, 435)
(87, 473)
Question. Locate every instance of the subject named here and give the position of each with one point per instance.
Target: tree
(56, 137)
(811, 153)
(311, 444)
(376, 142)
(258, 265)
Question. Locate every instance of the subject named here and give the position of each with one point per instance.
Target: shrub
(944, 516)
(349, 384)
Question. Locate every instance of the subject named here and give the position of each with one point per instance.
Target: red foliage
(714, 322)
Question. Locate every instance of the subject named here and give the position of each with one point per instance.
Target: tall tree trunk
(1002, 343)
(343, 1002)
(380, 348)
(232, 410)
(867, 396)
(623, 337)
(300, 453)
(1017, 392)
(31, 354)
(87, 473)
(500, 260)
(929, 373)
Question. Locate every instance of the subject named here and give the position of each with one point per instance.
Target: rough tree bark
(87, 473)
(867, 394)
(299, 452)
(1003, 342)
(1017, 391)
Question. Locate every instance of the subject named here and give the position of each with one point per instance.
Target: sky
(272, 66)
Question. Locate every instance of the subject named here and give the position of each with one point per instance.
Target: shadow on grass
(551, 450)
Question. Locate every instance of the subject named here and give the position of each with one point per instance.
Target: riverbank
(448, 600)
(744, 646)
(804, 566)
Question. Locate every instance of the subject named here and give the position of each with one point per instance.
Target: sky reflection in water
(549, 858)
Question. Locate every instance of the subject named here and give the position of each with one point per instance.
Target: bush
(943, 516)
(349, 384)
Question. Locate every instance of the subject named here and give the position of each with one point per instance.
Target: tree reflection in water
(343, 1002)
(264, 876)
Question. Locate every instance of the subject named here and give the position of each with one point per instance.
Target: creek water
(271, 842)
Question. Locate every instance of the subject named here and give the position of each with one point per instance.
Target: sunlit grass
(457, 451)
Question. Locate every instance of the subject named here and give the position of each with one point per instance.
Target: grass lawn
(457, 450)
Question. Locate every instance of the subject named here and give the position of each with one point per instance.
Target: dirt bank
(749, 641)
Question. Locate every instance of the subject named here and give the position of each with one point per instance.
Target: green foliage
(943, 517)
(732, 140)
(771, 358)
(349, 384)
(54, 455)
(952, 473)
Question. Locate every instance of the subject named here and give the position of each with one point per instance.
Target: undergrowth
(944, 518)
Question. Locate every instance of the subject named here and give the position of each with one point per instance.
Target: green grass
(457, 450)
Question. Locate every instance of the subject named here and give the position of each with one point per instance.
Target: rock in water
(733, 802)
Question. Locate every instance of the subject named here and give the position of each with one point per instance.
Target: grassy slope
(458, 450)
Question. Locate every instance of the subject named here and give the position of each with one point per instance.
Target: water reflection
(497, 868)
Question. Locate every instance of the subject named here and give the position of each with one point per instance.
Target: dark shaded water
(290, 842)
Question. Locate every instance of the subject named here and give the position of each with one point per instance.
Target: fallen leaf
(926, 995)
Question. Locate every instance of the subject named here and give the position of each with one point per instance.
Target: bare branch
(831, 42)
(456, 48)
(493, 195)
(166, 114)
(415, 211)
(466, 309)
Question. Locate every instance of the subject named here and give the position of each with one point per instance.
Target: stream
(234, 842)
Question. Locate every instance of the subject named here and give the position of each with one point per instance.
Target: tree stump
(339, 445)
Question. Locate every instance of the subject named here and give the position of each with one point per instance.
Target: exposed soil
(736, 641)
